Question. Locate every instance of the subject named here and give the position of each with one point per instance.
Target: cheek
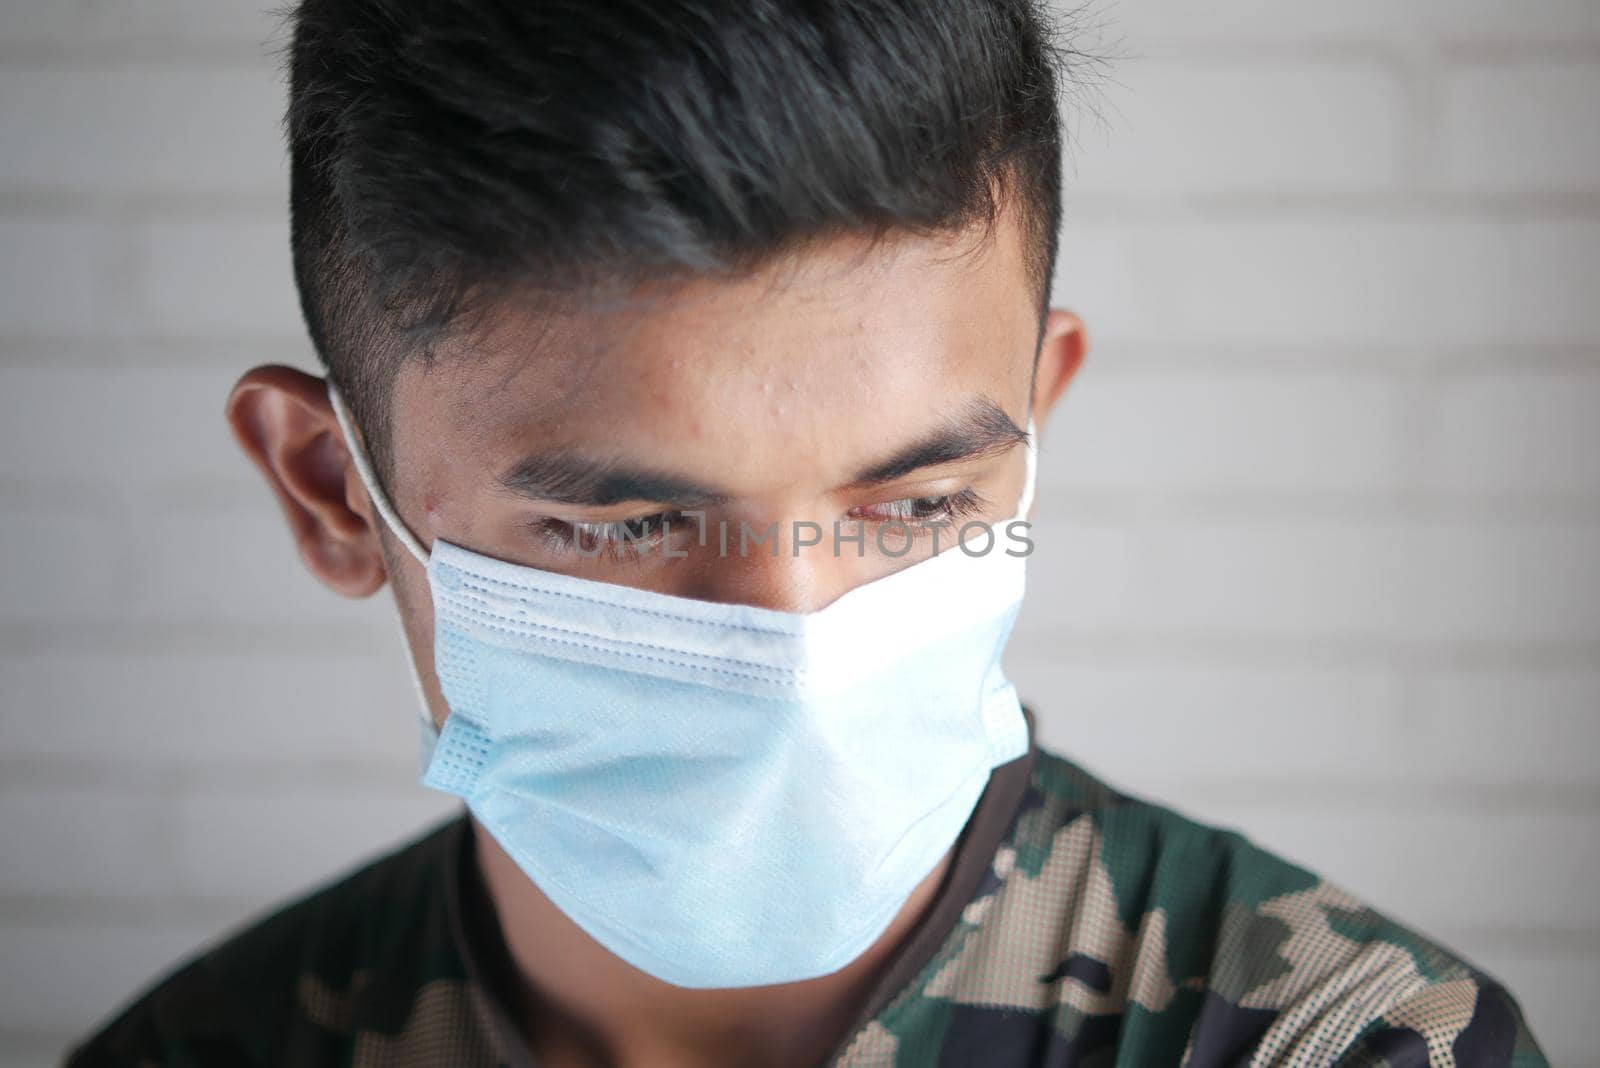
(432, 502)
(415, 605)
(412, 597)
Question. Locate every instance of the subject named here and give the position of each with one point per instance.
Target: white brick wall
(1320, 551)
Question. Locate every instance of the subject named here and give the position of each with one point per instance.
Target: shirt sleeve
(1464, 1023)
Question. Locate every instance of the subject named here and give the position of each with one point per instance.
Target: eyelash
(627, 540)
(921, 513)
(623, 540)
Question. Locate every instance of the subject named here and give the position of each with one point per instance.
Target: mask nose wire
(369, 478)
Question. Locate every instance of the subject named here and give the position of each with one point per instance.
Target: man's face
(850, 386)
(850, 383)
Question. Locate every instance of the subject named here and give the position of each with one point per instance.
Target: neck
(577, 1004)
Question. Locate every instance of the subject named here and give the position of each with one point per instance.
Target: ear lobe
(282, 419)
(1066, 343)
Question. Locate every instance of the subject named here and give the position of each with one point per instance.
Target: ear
(285, 424)
(1066, 342)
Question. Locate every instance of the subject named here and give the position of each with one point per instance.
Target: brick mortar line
(1418, 799)
(175, 783)
(1401, 507)
(126, 351)
(154, 207)
(1419, 202)
(1273, 650)
(1577, 941)
(1390, 47)
(111, 52)
(95, 48)
(160, 352)
(95, 637)
(318, 639)
(1070, 501)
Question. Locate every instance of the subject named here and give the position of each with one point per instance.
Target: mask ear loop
(429, 733)
(369, 478)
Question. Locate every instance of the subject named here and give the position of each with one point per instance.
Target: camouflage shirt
(1077, 926)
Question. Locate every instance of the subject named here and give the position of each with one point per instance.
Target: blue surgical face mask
(721, 795)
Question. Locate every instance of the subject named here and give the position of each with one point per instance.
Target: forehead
(839, 342)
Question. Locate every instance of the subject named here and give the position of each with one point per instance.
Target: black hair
(443, 151)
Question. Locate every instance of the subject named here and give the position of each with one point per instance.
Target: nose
(767, 572)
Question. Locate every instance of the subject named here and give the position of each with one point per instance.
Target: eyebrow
(580, 481)
(980, 429)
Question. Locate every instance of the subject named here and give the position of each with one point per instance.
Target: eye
(922, 510)
(625, 539)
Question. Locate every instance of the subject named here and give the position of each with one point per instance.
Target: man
(666, 340)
